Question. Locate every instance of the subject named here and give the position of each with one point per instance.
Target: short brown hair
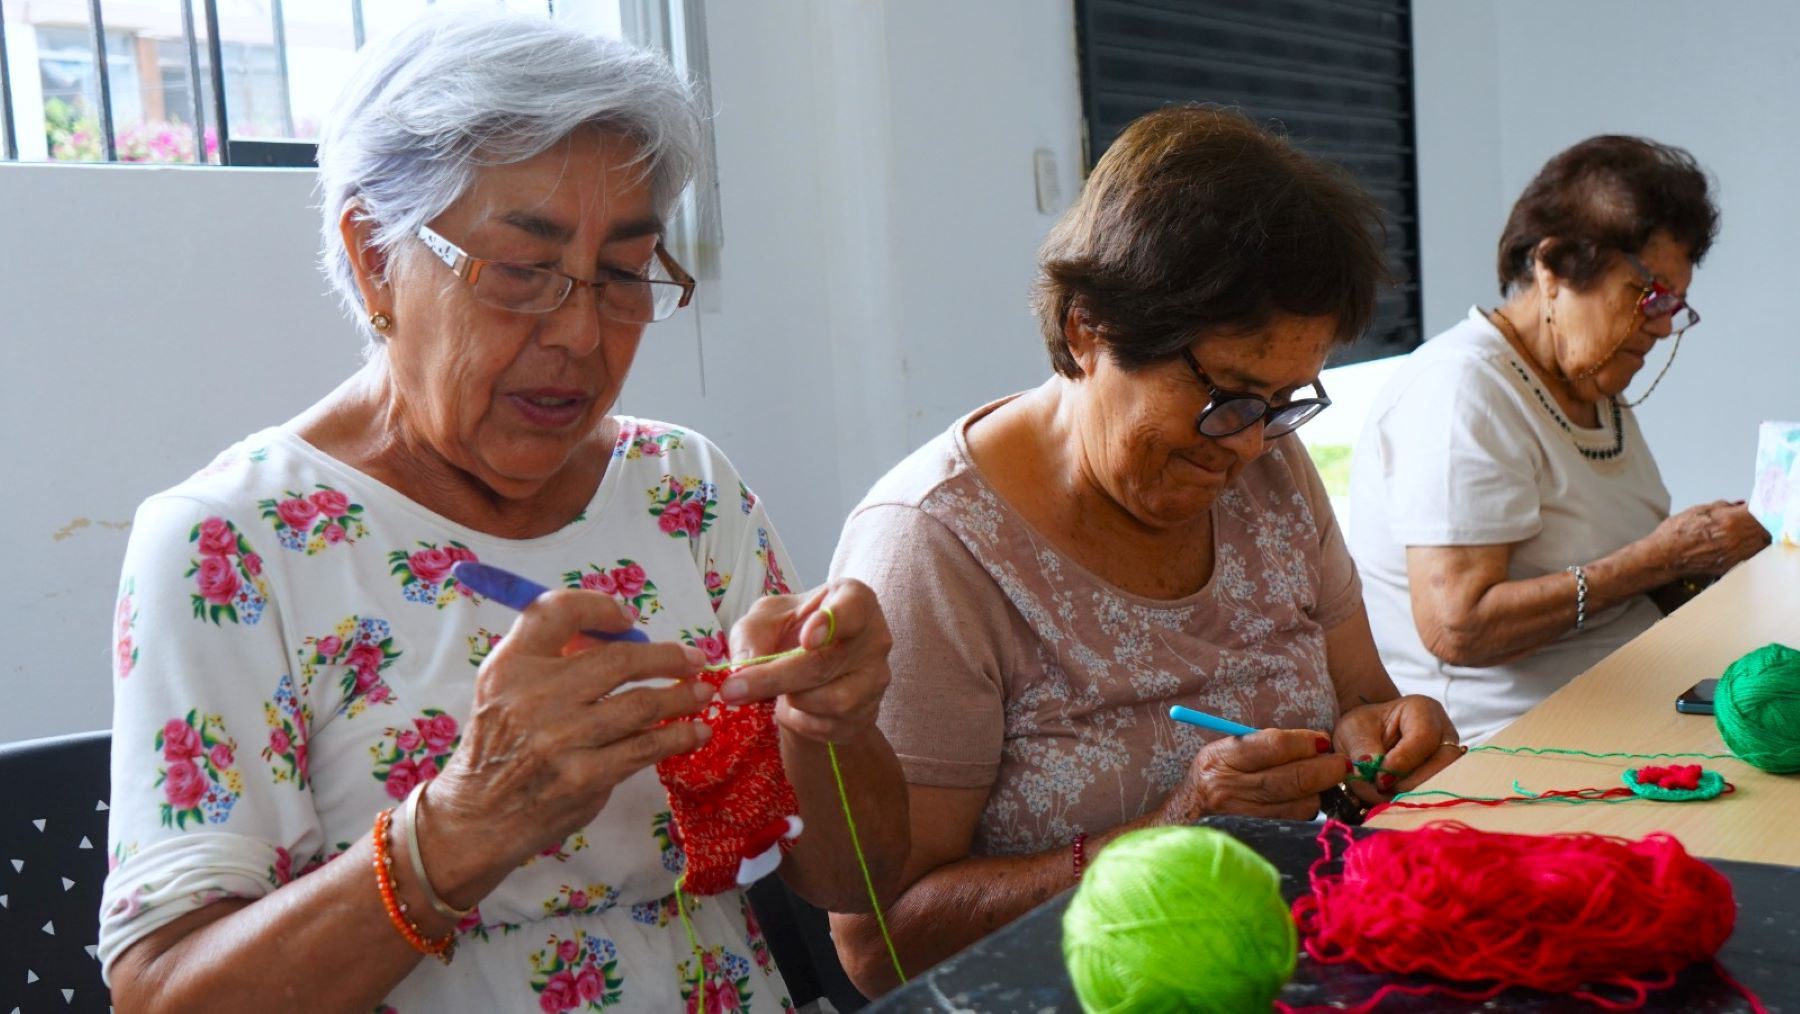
(1606, 193)
(1198, 222)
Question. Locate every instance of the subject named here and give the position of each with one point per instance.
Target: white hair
(458, 90)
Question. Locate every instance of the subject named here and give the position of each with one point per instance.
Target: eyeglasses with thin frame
(1657, 300)
(525, 288)
(1229, 412)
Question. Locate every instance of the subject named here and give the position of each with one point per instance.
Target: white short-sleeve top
(1464, 447)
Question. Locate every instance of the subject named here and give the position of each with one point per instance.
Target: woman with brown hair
(1509, 520)
(1139, 531)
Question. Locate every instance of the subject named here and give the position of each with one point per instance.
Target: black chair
(799, 937)
(52, 869)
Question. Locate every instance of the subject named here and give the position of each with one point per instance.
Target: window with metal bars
(1334, 75)
(223, 82)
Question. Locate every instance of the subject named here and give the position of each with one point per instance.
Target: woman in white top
(1509, 521)
(295, 654)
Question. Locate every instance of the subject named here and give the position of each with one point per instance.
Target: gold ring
(1461, 749)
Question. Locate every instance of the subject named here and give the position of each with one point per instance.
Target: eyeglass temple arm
(464, 266)
(676, 272)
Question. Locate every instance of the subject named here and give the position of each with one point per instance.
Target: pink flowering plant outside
(74, 136)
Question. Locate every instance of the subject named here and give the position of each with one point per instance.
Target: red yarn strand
(1591, 795)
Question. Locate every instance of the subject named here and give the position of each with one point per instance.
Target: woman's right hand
(545, 744)
(1707, 540)
(1271, 773)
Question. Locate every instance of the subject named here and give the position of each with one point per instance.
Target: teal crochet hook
(1206, 721)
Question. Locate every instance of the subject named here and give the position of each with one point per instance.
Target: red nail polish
(1385, 781)
(1323, 744)
(1348, 767)
(1363, 758)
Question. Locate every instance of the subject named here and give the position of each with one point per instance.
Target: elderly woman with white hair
(327, 762)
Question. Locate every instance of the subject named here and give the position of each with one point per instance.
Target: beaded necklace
(1501, 321)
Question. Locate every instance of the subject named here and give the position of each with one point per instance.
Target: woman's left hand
(832, 693)
(1412, 735)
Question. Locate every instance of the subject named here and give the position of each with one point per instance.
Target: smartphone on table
(1697, 699)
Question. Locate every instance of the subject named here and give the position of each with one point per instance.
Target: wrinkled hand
(1708, 539)
(548, 738)
(1271, 773)
(1413, 735)
(832, 693)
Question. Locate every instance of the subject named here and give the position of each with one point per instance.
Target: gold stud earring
(380, 321)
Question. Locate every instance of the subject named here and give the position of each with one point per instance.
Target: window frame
(232, 152)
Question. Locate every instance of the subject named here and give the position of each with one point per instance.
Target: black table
(1020, 968)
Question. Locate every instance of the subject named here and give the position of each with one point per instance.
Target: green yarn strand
(1541, 751)
(1757, 707)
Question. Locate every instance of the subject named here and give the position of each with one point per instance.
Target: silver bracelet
(1580, 596)
(418, 862)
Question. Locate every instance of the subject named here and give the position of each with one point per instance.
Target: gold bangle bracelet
(418, 862)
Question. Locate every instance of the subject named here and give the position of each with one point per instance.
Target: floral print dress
(291, 655)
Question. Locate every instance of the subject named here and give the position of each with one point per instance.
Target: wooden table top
(1627, 703)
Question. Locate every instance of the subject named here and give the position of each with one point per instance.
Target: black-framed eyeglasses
(1656, 300)
(524, 288)
(1229, 412)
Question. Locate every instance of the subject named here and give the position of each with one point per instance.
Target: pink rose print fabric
(774, 582)
(360, 649)
(684, 508)
(198, 777)
(718, 983)
(407, 756)
(227, 575)
(714, 643)
(289, 717)
(717, 585)
(577, 972)
(424, 573)
(647, 440)
(309, 522)
(591, 899)
(125, 652)
(627, 581)
(481, 645)
(292, 655)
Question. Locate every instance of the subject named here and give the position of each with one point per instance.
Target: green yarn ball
(1758, 708)
(1178, 918)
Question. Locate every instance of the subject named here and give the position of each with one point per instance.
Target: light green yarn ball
(1758, 708)
(1178, 918)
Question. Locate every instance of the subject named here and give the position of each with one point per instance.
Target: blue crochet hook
(1206, 721)
(1336, 800)
(515, 592)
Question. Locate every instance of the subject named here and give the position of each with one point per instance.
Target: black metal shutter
(1337, 74)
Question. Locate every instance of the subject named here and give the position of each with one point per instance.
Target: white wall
(880, 224)
(149, 317)
(1504, 85)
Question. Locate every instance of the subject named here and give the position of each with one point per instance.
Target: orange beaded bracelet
(442, 949)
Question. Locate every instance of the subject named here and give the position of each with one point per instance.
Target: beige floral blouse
(1018, 670)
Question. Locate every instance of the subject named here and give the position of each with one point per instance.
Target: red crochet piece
(1676, 776)
(727, 794)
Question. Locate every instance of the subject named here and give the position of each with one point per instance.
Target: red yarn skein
(1560, 913)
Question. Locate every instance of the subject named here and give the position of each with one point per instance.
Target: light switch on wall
(1049, 190)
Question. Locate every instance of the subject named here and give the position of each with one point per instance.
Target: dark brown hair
(1198, 222)
(1607, 193)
